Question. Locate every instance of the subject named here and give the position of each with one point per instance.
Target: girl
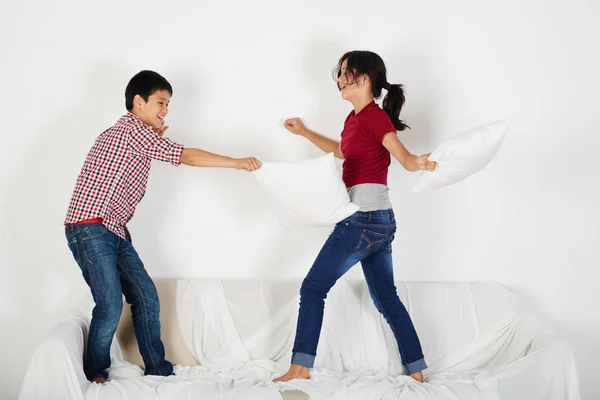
(368, 138)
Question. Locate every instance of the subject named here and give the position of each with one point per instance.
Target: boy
(110, 185)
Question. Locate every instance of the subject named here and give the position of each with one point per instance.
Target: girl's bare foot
(99, 380)
(296, 372)
(418, 376)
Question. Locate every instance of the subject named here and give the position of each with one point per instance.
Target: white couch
(230, 338)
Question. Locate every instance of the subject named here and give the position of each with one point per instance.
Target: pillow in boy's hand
(308, 192)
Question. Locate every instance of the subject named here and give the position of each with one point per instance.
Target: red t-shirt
(366, 160)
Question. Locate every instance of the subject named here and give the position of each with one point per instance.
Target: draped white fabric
(476, 342)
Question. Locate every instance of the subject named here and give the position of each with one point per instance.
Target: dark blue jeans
(111, 267)
(366, 237)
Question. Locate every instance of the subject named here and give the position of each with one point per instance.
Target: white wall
(529, 220)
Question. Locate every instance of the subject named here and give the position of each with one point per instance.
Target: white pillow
(463, 155)
(308, 192)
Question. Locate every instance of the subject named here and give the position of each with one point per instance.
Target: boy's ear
(138, 100)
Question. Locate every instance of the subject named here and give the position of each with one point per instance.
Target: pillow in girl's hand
(463, 155)
(308, 192)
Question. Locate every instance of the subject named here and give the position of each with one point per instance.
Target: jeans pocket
(369, 242)
(388, 242)
(77, 249)
(94, 249)
(73, 243)
(92, 231)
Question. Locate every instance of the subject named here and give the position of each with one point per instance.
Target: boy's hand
(161, 131)
(249, 164)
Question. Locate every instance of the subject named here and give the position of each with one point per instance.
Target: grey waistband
(370, 196)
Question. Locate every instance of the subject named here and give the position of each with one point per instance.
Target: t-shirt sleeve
(379, 124)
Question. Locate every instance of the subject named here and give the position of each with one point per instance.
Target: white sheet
(475, 341)
(56, 369)
(248, 381)
(477, 345)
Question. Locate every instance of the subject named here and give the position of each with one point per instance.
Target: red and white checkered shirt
(113, 179)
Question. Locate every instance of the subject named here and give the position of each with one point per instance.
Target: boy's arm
(152, 144)
(202, 158)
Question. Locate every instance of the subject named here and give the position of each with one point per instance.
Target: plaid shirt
(113, 179)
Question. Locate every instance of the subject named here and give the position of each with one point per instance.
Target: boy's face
(154, 111)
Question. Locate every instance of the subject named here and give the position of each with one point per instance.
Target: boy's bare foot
(418, 376)
(99, 380)
(296, 372)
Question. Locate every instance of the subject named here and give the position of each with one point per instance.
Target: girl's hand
(295, 125)
(425, 164)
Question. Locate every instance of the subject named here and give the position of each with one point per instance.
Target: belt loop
(127, 235)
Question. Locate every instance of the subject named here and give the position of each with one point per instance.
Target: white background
(529, 220)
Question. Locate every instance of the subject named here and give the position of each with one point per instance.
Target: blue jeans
(111, 267)
(366, 237)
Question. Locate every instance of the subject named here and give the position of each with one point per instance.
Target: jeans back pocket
(369, 242)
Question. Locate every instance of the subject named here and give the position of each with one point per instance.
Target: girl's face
(351, 86)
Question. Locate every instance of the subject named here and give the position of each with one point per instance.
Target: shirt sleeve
(147, 143)
(379, 124)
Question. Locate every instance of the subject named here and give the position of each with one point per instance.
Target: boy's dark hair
(145, 83)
